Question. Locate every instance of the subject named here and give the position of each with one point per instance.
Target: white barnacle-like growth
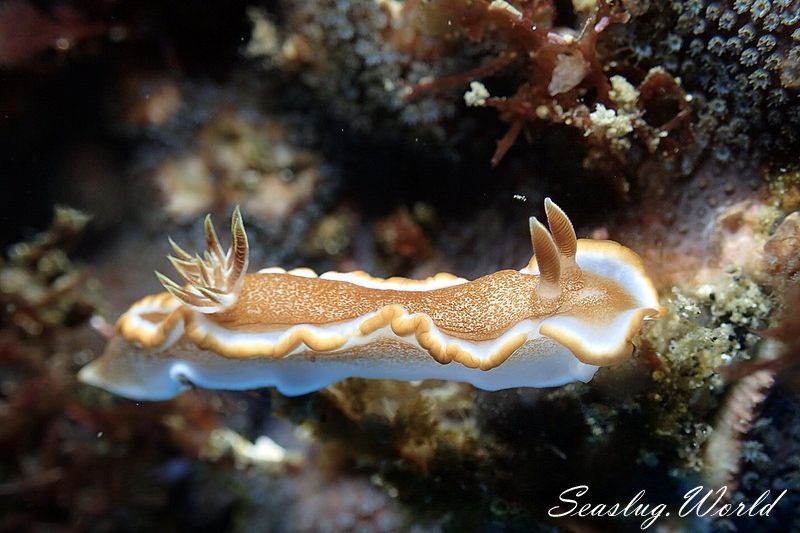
(573, 308)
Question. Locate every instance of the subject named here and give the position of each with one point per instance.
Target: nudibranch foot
(139, 374)
(574, 307)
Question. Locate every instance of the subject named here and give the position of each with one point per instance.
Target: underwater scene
(386, 265)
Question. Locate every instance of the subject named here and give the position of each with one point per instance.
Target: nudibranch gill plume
(574, 307)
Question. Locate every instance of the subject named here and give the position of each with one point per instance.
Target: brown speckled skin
(481, 309)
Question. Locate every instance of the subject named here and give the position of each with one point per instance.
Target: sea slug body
(573, 308)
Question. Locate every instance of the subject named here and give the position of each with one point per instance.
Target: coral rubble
(40, 288)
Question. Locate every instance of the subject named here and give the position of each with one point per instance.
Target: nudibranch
(574, 307)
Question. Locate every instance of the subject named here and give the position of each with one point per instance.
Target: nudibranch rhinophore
(574, 307)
